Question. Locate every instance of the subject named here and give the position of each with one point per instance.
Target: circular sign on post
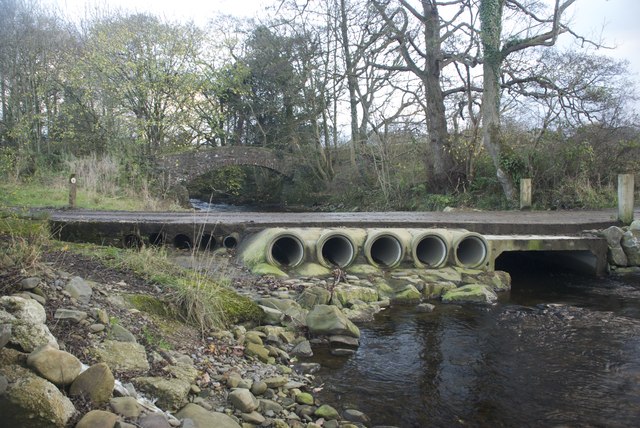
(73, 180)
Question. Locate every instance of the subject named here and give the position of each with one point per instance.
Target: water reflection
(562, 351)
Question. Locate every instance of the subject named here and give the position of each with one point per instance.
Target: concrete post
(625, 198)
(525, 194)
(72, 191)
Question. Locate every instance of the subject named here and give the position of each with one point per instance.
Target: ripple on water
(574, 359)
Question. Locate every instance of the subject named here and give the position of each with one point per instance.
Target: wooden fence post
(625, 198)
(72, 191)
(525, 194)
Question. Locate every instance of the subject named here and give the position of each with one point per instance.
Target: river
(558, 350)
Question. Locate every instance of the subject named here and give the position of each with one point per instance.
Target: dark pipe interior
(524, 263)
(431, 251)
(471, 251)
(386, 251)
(230, 242)
(287, 251)
(338, 251)
(182, 242)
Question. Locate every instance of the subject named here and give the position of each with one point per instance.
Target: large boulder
(203, 418)
(314, 296)
(615, 253)
(496, 280)
(283, 311)
(243, 400)
(631, 247)
(27, 319)
(329, 320)
(349, 295)
(98, 419)
(170, 393)
(58, 367)
(31, 401)
(475, 293)
(96, 383)
(122, 356)
(79, 289)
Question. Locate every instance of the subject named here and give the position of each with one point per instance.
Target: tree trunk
(442, 162)
(352, 82)
(491, 29)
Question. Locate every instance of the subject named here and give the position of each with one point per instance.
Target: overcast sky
(616, 21)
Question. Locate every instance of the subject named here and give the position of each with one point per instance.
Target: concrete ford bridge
(386, 240)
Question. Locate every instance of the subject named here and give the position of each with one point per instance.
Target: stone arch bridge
(183, 167)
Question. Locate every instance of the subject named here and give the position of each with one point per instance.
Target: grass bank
(203, 299)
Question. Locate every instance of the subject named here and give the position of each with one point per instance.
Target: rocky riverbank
(85, 345)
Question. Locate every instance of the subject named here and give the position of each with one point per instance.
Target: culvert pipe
(469, 249)
(336, 249)
(429, 248)
(386, 248)
(231, 241)
(285, 250)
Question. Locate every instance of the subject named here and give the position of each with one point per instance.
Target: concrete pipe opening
(286, 250)
(430, 251)
(182, 242)
(471, 251)
(208, 242)
(384, 250)
(336, 250)
(230, 241)
(156, 238)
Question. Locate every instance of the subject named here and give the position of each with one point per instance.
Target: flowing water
(558, 350)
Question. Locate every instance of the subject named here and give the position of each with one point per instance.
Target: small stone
(101, 315)
(126, 406)
(203, 418)
(243, 400)
(97, 328)
(98, 419)
(258, 388)
(69, 314)
(425, 307)
(79, 289)
(304, 398)
(353, 415)
(302, 349)
(327, 412)
(276, 381)
(154, 420)
(30, 283)
(253, 418)
(121, 334)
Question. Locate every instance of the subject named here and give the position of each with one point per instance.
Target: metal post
(625, 198)
(525, 194)
(72, 191)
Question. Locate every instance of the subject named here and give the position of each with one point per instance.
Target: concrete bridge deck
(485, 222)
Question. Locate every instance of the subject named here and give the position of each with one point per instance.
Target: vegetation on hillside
(388, 106)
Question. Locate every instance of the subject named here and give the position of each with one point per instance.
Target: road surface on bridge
(490, 222)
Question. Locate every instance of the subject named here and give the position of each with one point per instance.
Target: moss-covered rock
(329, 320)
(363, 269)
(348, 295)
(445, 274)
(314, 296)
(476, 293)
(407, 294)
(435, 290)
